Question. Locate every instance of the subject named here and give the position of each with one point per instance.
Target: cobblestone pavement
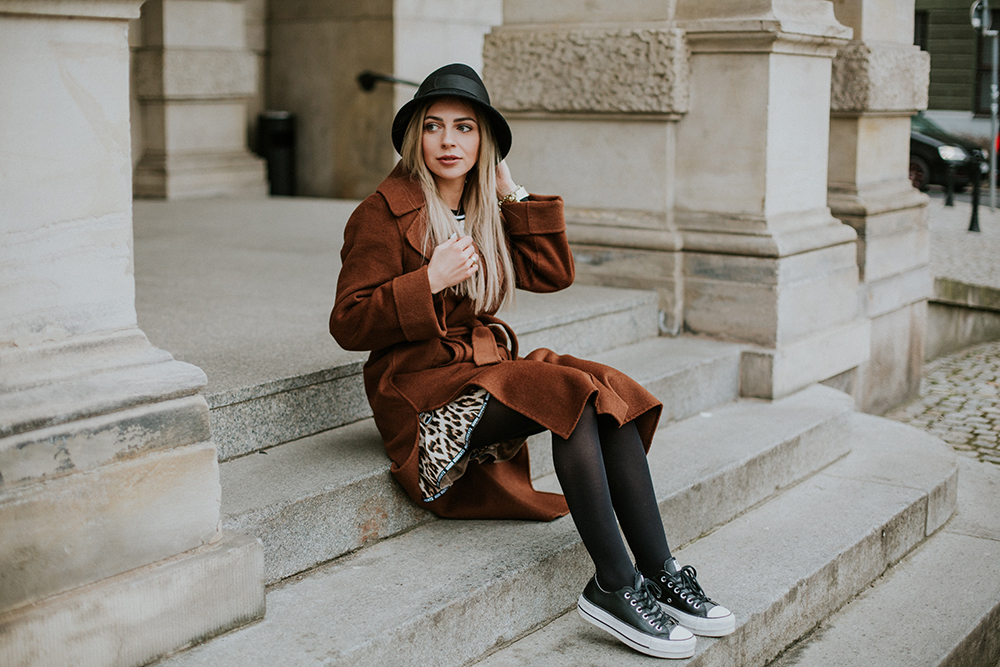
(960, 402)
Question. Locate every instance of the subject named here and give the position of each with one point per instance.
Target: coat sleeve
(540, 251)
(377, 303)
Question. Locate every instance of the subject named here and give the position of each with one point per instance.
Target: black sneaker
(633, 616)
(681, 597)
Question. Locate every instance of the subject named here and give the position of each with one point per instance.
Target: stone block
(891, 376)
(590, 70)
(770, 301)
(185, 175)
(66, 253)
(83, 445)
(868, 149)
(144, 614)
(775, 373)
(893, 254)
(897, 291)
(632, 171)
(770, 158)
(84, 527)
(204, 24)
(880, 76)
(175, 74)
(634, 269)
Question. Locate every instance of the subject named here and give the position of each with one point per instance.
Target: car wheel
(919, 173)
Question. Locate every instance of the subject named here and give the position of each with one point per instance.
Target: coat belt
(484, 343)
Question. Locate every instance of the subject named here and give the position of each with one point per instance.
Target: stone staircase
(788, 509)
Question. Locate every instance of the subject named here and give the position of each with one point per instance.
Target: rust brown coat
(427, 349)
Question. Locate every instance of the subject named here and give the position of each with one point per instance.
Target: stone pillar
(109, 485)
(317, 50)
(765, 263)
(593, 92)
(879, 80)
(194, 75)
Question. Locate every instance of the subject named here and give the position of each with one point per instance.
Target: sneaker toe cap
(679, 634)
(718, 611)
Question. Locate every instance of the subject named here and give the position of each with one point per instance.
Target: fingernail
(453, 235)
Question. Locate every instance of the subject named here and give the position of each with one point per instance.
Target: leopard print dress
(445, 436)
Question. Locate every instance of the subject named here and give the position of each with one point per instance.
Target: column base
(189, 176)
(144, 614)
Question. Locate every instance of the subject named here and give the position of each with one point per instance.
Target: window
(920, 20)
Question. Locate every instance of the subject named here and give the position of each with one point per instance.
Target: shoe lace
(687, 586)
(644, 599)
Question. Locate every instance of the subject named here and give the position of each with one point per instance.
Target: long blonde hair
(492, 286)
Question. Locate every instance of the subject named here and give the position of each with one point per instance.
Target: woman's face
(450, 140)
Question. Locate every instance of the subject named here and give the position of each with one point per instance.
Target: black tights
(603, 473)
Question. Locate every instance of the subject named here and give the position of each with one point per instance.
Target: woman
(427, 261)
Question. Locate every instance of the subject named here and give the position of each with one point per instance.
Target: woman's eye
(465, 128)
(430, 127)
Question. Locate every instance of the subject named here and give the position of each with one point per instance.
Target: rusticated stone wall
(632, 70)
(880, 76)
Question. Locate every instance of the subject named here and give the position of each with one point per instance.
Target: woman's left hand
(505, 184)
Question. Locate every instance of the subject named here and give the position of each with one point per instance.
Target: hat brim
(501, 130)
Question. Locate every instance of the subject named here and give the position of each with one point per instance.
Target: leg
(580, 469)
(635, 502)
(633, 495)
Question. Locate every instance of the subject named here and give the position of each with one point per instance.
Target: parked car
(932, 150)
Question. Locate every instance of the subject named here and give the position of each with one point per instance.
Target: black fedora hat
(454, 80)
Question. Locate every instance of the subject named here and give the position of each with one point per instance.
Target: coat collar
(401, 192)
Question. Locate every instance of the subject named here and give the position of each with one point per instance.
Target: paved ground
(960, 401)
(960, 393)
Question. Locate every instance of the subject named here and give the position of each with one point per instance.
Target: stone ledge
(957, 293)
(86, 444)
(594, 70)
(880, 76)
(55, 383)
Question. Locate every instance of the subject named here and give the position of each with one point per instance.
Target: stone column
(593, 92)
(765, 263)
(109, 485)
(194, 76)
(879, 80)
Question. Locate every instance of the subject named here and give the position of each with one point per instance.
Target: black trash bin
(276, 144)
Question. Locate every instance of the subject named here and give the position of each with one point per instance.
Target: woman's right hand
(452, 262)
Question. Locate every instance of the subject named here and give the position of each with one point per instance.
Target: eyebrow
(456, 120)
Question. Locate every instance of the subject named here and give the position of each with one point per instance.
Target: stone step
(261, 411)
(939, 607)
(786, 565)
(316, 498)
(449, 591)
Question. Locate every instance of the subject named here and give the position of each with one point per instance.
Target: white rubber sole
(706, 627)
(658, 648)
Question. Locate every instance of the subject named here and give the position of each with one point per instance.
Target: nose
(447, 138)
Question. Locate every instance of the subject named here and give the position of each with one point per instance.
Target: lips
(449, 160)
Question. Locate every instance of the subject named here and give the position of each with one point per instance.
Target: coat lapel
(406, 202)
